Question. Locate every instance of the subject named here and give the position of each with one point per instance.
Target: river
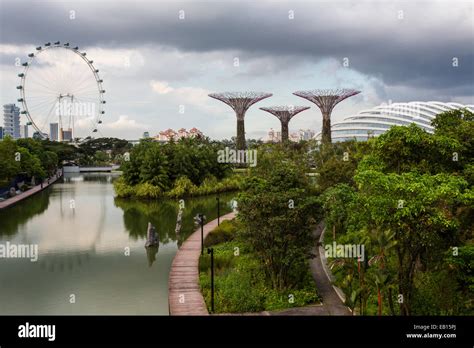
(91, 254)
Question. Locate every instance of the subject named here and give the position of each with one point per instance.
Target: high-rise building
(1, 133)
(305, 134)
(24, 131)
(11, 120)
(67, 135)
(54, 131)
(146, 135)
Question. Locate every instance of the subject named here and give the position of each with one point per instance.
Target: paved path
(332, 304)
(18, 198)
(184, 292)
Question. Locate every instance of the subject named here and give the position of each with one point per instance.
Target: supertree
(326, 100)
(240, 102)
(284, 113)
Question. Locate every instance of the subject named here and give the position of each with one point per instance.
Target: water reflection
(95, 250)
(18, 215)
(164, 215)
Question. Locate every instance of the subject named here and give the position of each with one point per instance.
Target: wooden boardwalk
(184, 292)
(18, 198)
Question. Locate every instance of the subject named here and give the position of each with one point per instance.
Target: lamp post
(201, 221)
(218, 211)
(211, 251)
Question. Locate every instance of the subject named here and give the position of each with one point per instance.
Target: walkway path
(18, 198)
(184, 295)
(332, 304)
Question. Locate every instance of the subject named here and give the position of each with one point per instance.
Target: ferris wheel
(61, 93)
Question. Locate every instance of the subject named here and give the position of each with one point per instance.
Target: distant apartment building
(67, 135)
(273, 136)
(1, 133)
(23, 131)
(54, 131)
(306, 134)
(146, 135)
(11, 120)
(169, 134)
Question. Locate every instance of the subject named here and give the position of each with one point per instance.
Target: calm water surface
(82, 250)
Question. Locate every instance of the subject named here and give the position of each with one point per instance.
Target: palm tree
(383, 243)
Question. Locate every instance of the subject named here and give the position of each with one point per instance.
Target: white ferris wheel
(61, 93)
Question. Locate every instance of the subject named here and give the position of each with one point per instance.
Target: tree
(9, 166)
(154, 167)
(418, 208)
(30, 165)
(277, 217)
(335, 203)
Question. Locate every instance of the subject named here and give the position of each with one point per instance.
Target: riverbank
(182, 187)
(24, 195)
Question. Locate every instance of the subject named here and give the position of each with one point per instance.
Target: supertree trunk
(284, 131)
(326, 100)
(240, 141)
(326, 132)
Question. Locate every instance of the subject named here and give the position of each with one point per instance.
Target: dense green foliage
(411, 209)
(225, 232)
(102, 151)
(175, 169)
(241, 283)
(277, 215)
(30, 158)
(408, 198)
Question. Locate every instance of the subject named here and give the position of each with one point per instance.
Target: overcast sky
(152, 61)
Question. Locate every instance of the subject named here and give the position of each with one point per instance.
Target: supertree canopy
(326, 100)
(284, 113)
(240, 102)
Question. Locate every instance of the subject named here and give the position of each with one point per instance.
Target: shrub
(147, 190)
(122, 189)
(225, 232)
(240, 283)
(182, 187)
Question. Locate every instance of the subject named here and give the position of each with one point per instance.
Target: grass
(240, 281)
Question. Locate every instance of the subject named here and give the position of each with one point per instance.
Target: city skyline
(158, 77)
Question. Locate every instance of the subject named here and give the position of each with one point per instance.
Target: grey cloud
(416, 51)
